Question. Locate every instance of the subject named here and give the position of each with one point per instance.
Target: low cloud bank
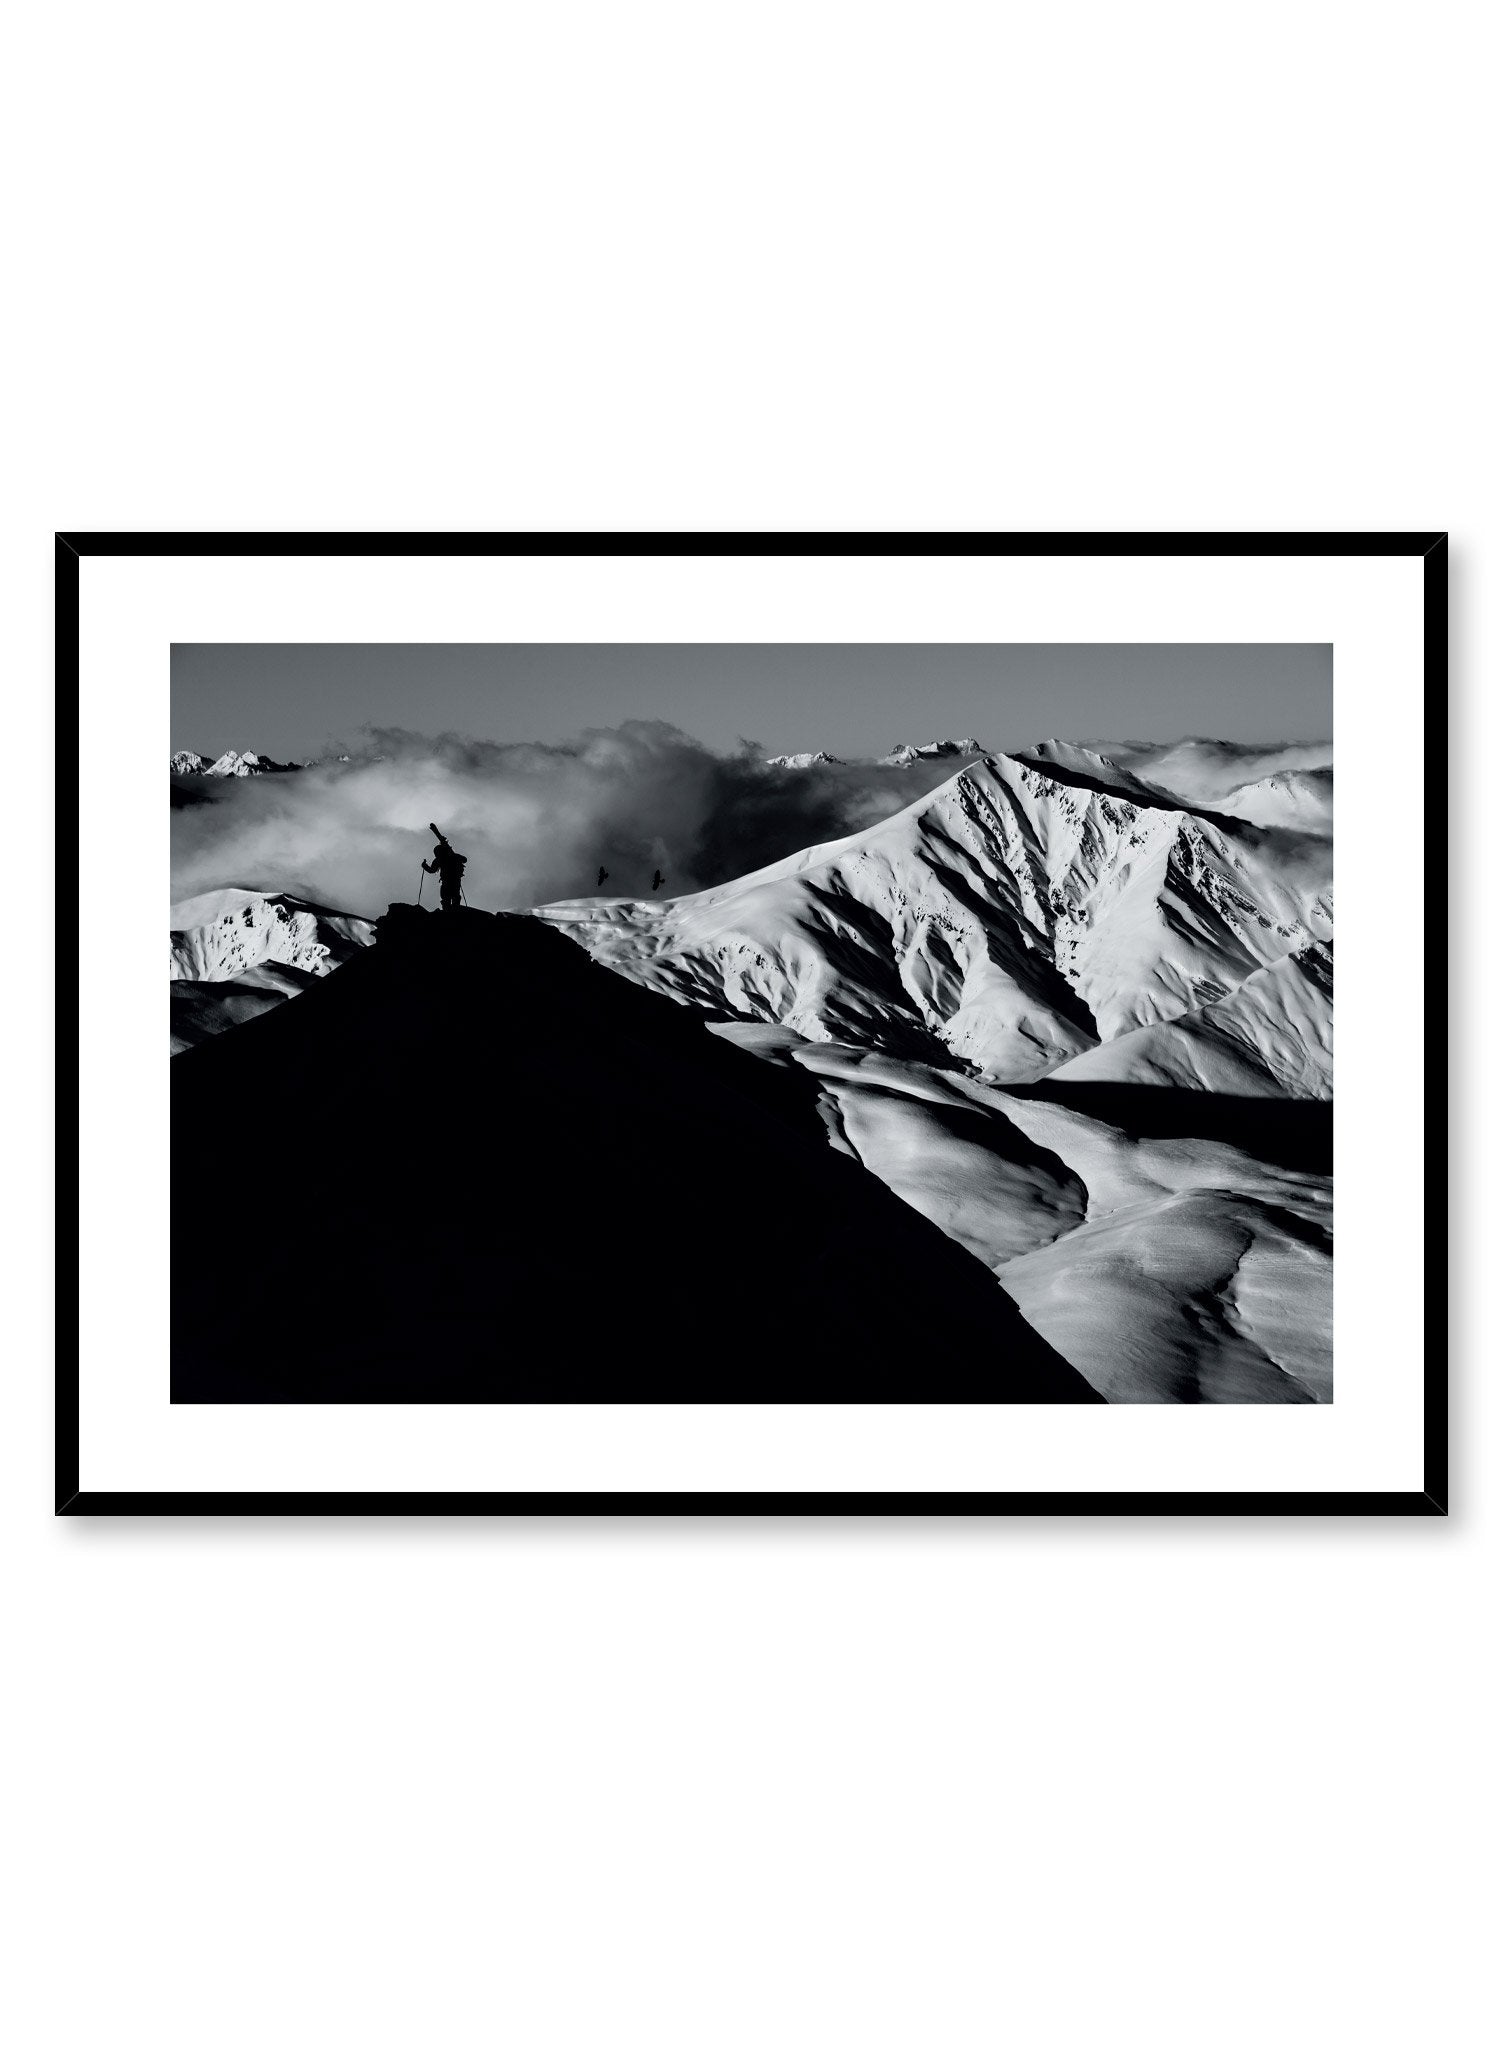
(535, 821)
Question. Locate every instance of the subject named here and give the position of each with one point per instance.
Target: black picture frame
(73, 547)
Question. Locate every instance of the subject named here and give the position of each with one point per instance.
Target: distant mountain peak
(232, 763)
(903, 755)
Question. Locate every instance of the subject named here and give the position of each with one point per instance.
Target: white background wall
(798, 266)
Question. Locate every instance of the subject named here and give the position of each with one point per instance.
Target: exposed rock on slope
(231, 763)
(903, 756)
(1199, 772)
(1290, 787)
(237, 953)
(219, 936)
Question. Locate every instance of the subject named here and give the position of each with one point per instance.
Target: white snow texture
(1139, 917)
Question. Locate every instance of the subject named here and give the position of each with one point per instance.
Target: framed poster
(723, 1023)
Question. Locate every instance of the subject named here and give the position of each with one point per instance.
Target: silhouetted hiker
(658, 878)
(449, 866)
(604, 872)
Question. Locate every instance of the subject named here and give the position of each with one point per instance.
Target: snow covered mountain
(239, 952)
(219, 936)
(1036, 1003)
(1012, 924)
(1271, 1035)
(901, 756)
(1266, 785)
(231, 763)
(1173, 1245)
(1073, 1006)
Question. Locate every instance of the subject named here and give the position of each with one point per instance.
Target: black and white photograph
(758, 1345)
(796, 1023)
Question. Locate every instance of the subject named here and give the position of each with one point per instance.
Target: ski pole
(422, 877)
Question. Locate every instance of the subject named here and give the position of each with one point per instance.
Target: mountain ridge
(232, 764)
(580, 1196)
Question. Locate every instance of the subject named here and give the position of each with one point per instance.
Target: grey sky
(855, 701)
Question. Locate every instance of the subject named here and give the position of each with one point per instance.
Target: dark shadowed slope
(482, 1168)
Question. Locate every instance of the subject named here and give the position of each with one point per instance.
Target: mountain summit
(232, 764)
(1014, 923)
(903, 756)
